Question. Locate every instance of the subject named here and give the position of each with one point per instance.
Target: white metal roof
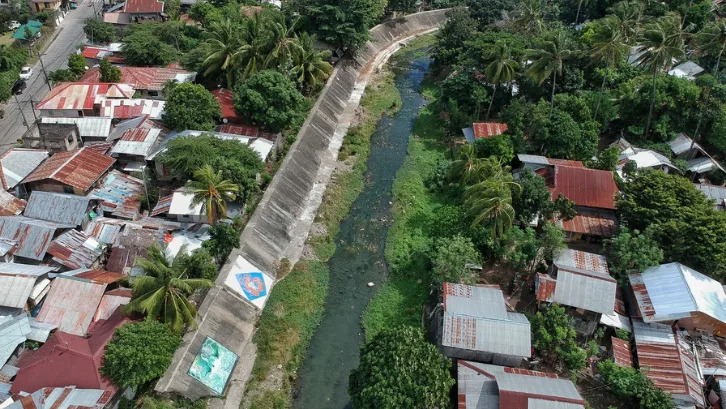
(535, 159)
(90, 126)
(15, 290)
(533, 403)
(137, 148)
(181, 204)
(13, 331)
(586, 291)
(18, 163)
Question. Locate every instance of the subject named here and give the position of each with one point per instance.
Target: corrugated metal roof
(586, 187)
(10, 205)
(534, 159)
(27, 270)
(63, 398)
(96, 276)
(483, 386)
(103, 229)
(226, 101)
(58, 207)
(7, 246)
(682, 144)
(600, 223)
(88, 127)
(75, 249)
(621, 352)
(13, 331)
(15, 290)
(486, 130)
(261, 146)
(672, 291)
(145, 78)
(619, 317)
(667, 359)
(591, 292)
(71, 304)
(18, 163)
(33, 236)
(83, 96)
(80, 168)
(163, 205)
(120, 195)
(137, 142)
(181, 204)
(476, 318)
(582, 261)
(717, 193)
(110, 302)
(40, 331)
(144, 6)
(132, 108)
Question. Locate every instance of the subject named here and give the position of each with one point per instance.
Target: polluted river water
(359, 257)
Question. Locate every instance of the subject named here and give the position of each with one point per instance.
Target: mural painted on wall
(213, 365)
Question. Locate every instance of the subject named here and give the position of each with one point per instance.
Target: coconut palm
(528, 18)
(630, 13)
(252, 56)
(608, 46)
(162, 292)
(469, 169)
(579, 7)
(285, 44)
(490, 202)
(223, 45)
(500, 69)
(711, 40)
(310, 66)
(660, 44)
(549, 60)
(212, 192)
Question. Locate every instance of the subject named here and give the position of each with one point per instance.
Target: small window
(153, 93)
(68, 189)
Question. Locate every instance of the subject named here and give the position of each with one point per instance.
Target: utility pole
(32, 106)
(20, 107)
(45, 74)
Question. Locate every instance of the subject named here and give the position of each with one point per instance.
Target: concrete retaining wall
(281, 223)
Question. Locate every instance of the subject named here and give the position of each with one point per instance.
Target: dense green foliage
(632, 252)
(629, 383)
(12, 58)
(269, 99)
(453, 260)
(199, 264)
(139, 352)
(191, 106)
(223, 239)
(341, 23)
(210, 190)
(399, 369)
(553, 337)
(99, 32)
(109, 73)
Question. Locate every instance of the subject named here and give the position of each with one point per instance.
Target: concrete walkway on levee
(281, 223)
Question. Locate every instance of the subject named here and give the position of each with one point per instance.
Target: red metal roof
(141, 78)
(68, 359)
(80, 168)
(226, 100)
(135, 135)
(99, 147)
(621, 352)
(144, 6)
(486, 130)
(92, 52)
(71, 304)
(586, 187)
(545, 287)
(565, 162)
(10, 205)
(83, 96)
(592, 223)
(100, 276)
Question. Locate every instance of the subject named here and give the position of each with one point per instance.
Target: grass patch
(6, 38)
(408, 244)
(288, 322)
(381, 96)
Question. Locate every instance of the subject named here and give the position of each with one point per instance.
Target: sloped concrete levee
(280, 225)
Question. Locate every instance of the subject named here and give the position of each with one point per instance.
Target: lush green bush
(99, 32)
(191, 106)
(139, 352)
(452, 260)
(269, 99)
(223, 239)
(399, 369)
(629, 383)
(554, 338)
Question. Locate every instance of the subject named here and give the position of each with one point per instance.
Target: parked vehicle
(73, 5)
(26, 72)
(13, 25)
(19, 87)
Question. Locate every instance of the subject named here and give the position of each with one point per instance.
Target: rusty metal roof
(80, 168)
(103, 229)
(17, 163)
(163, 205)
(476, 318)
(144, 78)
(58, 207)
(600, 223)
(95, 276)
(111, 301)
(137, 142)
(33, 236)
(582, 261)
(83, 96)
(75, 249)
(486, 130)
(120, 195)
(666, 357)
(10, 205)
(71, 304)
(63, 398)
(586, 187)
(621, 352)
(144, 6)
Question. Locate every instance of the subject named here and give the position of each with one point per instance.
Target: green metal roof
(32, 25)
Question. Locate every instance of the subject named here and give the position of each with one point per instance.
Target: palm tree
(223, 45)
(490, 202)
(469, 169)
(660, 43)
(711, 40)
(285, 44)
(212, 192)
(162, 293)
(311, 66)
(500, 68)
(608, 46)
(549, 60)
(252, 56)
(528, 18)
(630, 13)
(579, 6)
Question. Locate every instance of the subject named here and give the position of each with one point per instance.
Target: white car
(26, 72)
(13, 25)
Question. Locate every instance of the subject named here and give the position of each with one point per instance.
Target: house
(75, 249)
(71, 305)
(674, 292)
(582, 281)
(226, 101)
(698, 160)
(70, 360)
(95, 276)
(13, 332)
(33, 236)
(17, 163)
(120, 195)
(61, 398)
(55, 137)
(474, 324)
(687, 69)
(105, 230)
(46, 5)
(126, 108)
(482, 386)
(666, 357)
(643, 158)
(23, 286)
(135, 145)
(79, 99)
(182, 209)
(483, 130)
(149, 81)
(32, 26)
(95, 53)
(60, 208)
(140, 11)
(10, 205)
(90, 129)
(619, 317)
(593, 192)
(74, 172)
(132, 243)
(249, 131)
(111, 301)
(715, 193)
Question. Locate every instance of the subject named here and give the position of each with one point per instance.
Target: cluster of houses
(674, 315)
(72, 225)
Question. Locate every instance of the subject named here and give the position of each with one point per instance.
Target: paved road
(69, 36)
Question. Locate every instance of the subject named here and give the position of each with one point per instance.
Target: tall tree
(253, 54)
(500, 69)
(285, 43)
(528, 18)
(712, 41)
(549, 59)
(342, 23)
(109, 73)
(212, 192)
(630, 13)
(310, 66)
(224, 45)
(468, 168)
(162, 292)
(660, 43)
(609, 46)
(579, 7)
(191, 106)
(490, 202)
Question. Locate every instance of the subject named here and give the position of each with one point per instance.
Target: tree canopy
(270, 99)
(191, 107)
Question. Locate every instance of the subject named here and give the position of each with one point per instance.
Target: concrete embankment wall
(280, 225)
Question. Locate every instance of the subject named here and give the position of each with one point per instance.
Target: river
(359, 257)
